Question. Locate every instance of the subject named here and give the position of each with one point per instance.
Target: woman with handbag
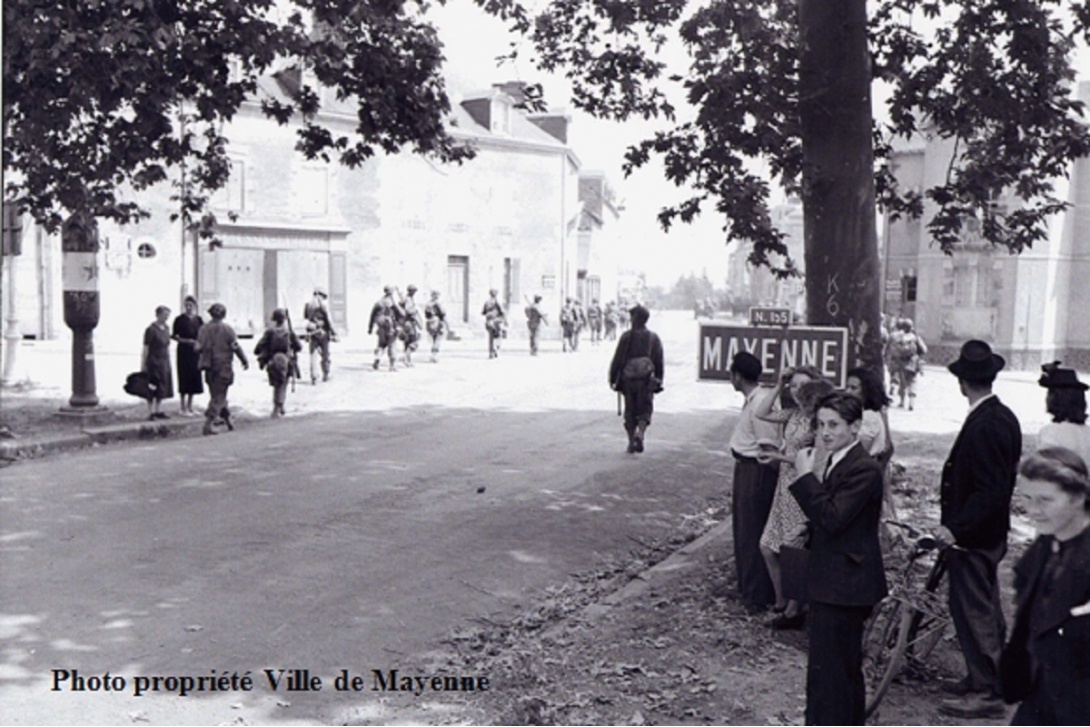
(1046, 664)
(637, 372)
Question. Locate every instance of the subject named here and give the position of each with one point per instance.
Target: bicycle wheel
(884, 641)
(930, 616)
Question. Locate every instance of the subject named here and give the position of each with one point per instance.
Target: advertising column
(79, 243)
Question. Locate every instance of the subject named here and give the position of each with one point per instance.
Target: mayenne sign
(777, 348)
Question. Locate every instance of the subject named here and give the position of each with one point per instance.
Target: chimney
(514, 89)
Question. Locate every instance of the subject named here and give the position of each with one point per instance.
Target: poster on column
(776, 348)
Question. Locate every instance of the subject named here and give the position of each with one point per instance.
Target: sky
(472, 42)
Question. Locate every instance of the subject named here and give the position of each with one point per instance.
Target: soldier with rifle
(594, 319)
(534, 319)
(411, 326)
(319, 333)
(386, 317)
(495, 322)
(277, 353)
(435, 320)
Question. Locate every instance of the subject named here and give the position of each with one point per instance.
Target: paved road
(356, 538)
(353, 540)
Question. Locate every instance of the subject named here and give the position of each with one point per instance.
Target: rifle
(293, 356)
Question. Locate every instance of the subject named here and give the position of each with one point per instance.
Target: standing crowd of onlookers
(811, 484)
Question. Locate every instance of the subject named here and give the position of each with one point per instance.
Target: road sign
(770, 316)
(826, 349)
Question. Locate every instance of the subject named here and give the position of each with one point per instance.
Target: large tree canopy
(788, 82)
(102, 96)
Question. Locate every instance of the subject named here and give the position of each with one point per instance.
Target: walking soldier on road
(495, 322)
(610, 319)
(977, 484)
(217, 345)
(569, 321)
(386, 316)
(534, 319)
(275, 353)
(319, 333)
(411, 326)
(594, 320)
(637, 372)
(435, 320)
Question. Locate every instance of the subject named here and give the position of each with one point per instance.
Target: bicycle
(907, 625)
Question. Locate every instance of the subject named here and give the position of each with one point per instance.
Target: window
(909, 287)
(231, 196)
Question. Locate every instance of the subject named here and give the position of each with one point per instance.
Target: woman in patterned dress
(786, 524)
(155, 362)
(186, 327)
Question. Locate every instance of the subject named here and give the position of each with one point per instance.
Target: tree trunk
(839, 223)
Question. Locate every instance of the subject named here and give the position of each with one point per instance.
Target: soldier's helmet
(411, 289)
(387, 289)
(493, 292)
(320, 291)
(217, 310)
(435, 294)
(278, 315)
(537, 298)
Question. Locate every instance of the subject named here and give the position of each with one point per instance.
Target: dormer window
(501, 115)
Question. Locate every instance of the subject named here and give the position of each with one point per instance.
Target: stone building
(509, 219)
(1023, 305)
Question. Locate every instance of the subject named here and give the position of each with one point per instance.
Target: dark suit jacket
(978, 477)
(845, 567)
(1059, 643)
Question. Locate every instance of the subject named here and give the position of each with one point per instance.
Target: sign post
(826, 349)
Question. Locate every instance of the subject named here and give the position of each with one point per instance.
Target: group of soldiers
(397, 318)
(599, 319)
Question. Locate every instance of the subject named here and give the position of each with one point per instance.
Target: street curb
(681, 559)
(102, 434)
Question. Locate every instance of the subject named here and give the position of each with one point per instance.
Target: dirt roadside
(662, 639)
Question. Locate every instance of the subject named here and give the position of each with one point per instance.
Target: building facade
(509, 220)
(1022, 304)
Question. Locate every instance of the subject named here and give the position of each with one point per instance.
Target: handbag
(139, 385)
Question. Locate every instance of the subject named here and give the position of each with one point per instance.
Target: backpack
(904, 347)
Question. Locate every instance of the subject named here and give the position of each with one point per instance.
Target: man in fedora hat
(319, 333)
(977, 482)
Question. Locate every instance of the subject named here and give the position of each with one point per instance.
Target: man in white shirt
(754, 485)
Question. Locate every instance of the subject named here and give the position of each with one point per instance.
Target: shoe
(208, 429)
(230, 426)
(788, 623)
(161, 415)
(637, 442)
(325, 377)
(152, 417)
(973, 706)
(958, 688)
(631, 448)
(375, 365)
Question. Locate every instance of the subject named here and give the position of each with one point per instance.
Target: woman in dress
(1046, 665)
(186, 326)
(1066, 402)
(786, 524)
(155, 362)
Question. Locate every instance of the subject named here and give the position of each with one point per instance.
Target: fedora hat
(1055, 377)
(976, 362)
